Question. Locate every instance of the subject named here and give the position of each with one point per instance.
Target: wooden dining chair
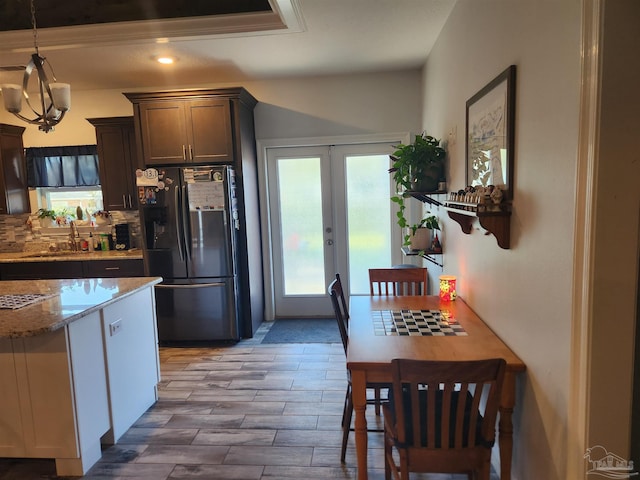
(436, 422)
(341, 312)
(398, 281)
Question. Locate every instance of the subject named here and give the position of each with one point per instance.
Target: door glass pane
(368, 218)
(300, 202)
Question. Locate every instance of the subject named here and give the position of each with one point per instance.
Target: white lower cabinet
(131, 354)
(63, 393)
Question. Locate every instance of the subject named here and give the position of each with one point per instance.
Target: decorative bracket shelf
(497, 222)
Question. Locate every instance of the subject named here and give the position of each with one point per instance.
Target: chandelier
(55, 98)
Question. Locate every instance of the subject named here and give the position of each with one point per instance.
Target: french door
(329, 212)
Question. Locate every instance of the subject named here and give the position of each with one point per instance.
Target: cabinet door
(209, 127)
(116, 152)
(14, 198)
(164, 133)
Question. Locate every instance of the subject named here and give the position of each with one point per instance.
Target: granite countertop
(68, 255)
(69, 300)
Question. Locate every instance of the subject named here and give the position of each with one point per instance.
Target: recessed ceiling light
(166, 60)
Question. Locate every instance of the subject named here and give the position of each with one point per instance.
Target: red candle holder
(447, 287)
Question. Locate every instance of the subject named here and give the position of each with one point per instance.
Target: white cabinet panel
(131, 349)
(11, 440)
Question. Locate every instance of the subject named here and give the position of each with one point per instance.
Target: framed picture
(490, 125)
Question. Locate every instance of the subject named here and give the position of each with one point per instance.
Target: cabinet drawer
(41, 270)
(114, 268)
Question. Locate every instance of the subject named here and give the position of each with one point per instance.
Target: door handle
(178, 212)
(192, 285)
(186, 232)
(184, 152)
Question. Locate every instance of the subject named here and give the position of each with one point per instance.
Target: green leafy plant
(44, 213)
(56, 217)
(416, 167)
(430, 222)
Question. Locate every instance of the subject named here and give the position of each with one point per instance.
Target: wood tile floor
(243, 412)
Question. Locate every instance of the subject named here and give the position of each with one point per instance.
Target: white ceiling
(317, 37)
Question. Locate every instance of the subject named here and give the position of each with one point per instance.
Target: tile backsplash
(17, 235)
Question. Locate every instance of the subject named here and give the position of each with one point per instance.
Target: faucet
(72, 236)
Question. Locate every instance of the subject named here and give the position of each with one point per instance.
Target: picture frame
(490, 134)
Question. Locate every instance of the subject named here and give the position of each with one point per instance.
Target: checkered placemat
(13, 302)
(415, 323)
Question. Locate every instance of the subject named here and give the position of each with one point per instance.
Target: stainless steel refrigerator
(190, 221)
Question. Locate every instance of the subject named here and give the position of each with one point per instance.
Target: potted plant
(417, 167)
(54, 218)
(421, 236)
(43, 214)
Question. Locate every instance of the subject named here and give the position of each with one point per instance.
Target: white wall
(287, 108)
(74, 129)
(523, 293)
(338, 105)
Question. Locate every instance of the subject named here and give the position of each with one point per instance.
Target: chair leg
(344, 408)
(376, 396)
(346, 423)
(484, 473)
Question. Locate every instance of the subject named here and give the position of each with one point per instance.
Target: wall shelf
(426, 254)
(426, 197)
(497, 222)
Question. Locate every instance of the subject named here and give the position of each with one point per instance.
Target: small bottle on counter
(104, 241)
(92, 245)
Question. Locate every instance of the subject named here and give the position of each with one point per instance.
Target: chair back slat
(398, 281)
(460, 410)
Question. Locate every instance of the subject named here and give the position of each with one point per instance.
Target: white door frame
(263, 187)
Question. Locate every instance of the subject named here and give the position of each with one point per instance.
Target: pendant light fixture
(55, 98)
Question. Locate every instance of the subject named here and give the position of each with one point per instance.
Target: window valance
(69, 166)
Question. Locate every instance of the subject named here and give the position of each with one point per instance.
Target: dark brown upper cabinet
(14, 195)
(115, 137)
(178, 129)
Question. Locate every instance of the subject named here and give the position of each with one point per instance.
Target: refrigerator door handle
(186, 231)
(179, 236)
(193, 285)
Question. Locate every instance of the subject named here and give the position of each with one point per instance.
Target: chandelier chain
(33, 24)
(54, 98)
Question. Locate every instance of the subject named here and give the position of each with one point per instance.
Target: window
(69, 199)
(64, 178)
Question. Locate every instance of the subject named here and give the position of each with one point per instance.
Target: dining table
(423, 327)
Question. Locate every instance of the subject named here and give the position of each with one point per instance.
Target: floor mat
(303, 330)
